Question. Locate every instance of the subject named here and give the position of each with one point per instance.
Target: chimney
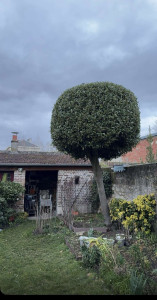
(14, 141)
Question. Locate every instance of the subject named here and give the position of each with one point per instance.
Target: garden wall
(134, 180)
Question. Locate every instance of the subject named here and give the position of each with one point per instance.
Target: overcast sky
(47, 46)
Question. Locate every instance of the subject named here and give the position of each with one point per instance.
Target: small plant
(90, 232)
(137, 283)
(20, 217)
(90, 256)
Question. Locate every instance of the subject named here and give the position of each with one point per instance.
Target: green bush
(9, 194)
(11, 191)
(90, 256)
(136, 215)
(3, 209)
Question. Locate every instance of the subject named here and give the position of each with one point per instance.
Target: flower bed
(82, 223)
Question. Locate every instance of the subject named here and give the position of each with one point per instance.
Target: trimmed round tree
(96, 120)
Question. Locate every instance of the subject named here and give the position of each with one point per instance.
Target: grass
(42, 264)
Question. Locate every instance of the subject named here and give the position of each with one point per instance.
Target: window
(77, 179)
(8, 176)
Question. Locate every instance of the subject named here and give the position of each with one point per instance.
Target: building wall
(68, 190)
(28, 149)
(19, 177)
(134, 181)
(138, 154)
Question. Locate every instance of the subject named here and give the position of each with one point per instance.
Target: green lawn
(42, 264)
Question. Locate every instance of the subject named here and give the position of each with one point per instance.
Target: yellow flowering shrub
(136, 215)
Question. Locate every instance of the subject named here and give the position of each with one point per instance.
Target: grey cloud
(49, 46)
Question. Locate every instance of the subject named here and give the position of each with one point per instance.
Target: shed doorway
(40, 184)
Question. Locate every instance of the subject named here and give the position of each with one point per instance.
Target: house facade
(139, 153)
(61, 177)
(22, 145)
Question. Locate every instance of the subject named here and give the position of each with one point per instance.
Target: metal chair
(45, 202)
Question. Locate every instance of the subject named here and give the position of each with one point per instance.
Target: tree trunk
(101, 190)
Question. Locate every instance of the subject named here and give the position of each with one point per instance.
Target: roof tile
(40, 158)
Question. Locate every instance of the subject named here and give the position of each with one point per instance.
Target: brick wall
(19, 177)
(134, 181)
(69, 190)
(138, 154)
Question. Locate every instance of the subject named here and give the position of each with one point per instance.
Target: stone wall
(73, 188)
(134, 180)
(19, 177)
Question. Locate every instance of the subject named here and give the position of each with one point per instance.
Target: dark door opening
(36, 183)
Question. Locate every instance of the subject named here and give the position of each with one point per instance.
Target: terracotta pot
(74, 213)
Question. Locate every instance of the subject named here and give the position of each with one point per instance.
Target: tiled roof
(145, 136)
(39, 159)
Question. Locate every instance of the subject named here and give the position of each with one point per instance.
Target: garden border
(85, 229)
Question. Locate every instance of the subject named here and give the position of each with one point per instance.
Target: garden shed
(49, 175)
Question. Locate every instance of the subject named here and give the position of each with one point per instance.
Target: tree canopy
(99, 117)
(94, 120)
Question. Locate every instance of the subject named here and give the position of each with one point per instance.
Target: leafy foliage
(11, 191)
(136, 215)
(90, 256)
(9, 194)
(101, 116)
(125, 270)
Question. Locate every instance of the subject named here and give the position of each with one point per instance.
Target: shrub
(91, 256)
(11, 191)
(136, 215)
(3, 208)
(9, 194)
